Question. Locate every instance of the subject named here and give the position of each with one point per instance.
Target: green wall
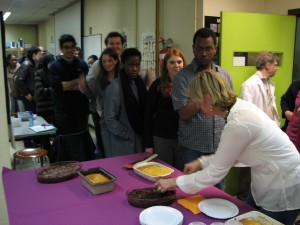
(251, 32)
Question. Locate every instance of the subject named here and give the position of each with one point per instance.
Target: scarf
(135, 108)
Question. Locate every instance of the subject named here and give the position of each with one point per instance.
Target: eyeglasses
(202, 50)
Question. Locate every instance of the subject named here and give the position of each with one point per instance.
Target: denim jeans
(187, 155)
(99, 152)
(287, 217)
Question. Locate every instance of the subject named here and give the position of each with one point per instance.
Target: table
(24, 132)
(69, 203)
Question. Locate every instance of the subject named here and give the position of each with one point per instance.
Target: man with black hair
(71, 107)
(124, 108)
(198, 134)
(25, 78)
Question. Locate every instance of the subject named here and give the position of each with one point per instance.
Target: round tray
(149, 196)
(58, 172)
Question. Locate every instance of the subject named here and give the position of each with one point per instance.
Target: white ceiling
(32, 11)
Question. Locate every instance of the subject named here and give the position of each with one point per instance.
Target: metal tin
(101, 187)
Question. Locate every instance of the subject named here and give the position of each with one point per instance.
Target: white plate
(161, 215)
(218, 208)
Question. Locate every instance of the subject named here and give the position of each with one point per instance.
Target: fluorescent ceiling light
(6, 15)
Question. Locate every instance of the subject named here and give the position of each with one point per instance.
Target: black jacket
(25, 78)
(287, 101)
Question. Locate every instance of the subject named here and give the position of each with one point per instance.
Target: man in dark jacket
(71, 107)
(25, 78)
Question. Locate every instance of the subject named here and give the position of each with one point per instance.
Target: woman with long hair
(102, 72)
(161, 121)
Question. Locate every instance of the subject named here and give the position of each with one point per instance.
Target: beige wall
(104, 16)
(214, 7)
(46, 34)
(29, 33)
(145, 18)
(280, 7)
(179, 20)
(176, 18)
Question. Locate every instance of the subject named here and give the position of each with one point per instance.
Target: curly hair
(205, 33)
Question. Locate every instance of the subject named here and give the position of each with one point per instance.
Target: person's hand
(149, 150)
(192, 167)
(163, 185)
(29, 97)
(288, 114)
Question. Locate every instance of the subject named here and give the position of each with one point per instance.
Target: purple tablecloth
(69, 203)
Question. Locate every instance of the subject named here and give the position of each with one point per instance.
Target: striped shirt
(200, 133)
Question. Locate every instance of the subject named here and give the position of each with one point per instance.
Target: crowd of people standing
(189, 115)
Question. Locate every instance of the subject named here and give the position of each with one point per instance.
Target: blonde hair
(212, 83)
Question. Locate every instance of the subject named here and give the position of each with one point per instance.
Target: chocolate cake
(58, 172)
(146, 197)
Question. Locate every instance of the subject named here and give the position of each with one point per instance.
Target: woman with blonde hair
(249, 137)
(161, 121)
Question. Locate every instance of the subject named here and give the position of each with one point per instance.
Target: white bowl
(148, 176)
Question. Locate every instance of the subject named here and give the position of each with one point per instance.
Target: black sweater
(70, 101)
(160, 118)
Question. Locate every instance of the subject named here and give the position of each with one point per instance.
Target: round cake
(146, 197)
(58, 172)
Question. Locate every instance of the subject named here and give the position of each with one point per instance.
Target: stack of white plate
(161, 215)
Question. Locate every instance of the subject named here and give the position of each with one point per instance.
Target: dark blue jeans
(187, 155)
(99, 153)
(286, 217)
